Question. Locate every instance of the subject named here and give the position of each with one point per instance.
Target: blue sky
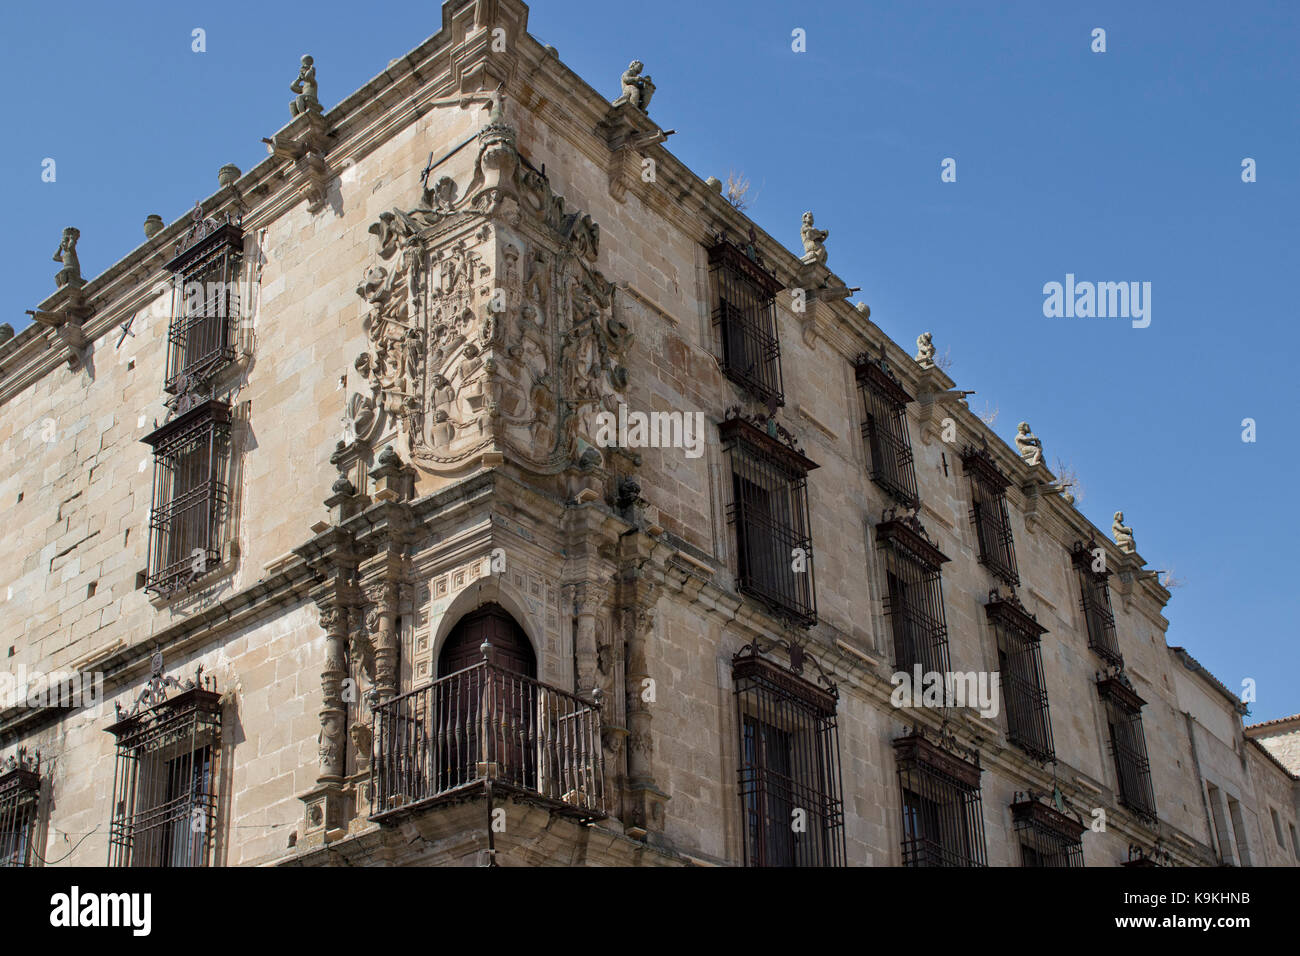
(1120, 166)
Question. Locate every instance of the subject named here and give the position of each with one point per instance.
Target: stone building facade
(505, 495)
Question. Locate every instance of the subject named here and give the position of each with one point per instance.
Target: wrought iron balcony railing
(487, 724)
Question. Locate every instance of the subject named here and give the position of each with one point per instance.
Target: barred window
(1048, 836)
(990, 516)
(943, 818)
(191, 455)
(201, 335)
(745, 316)
(1128, 744)
(914, 595)
(164, 808)
(885, 429)
(790, 788)
(1095, 604)
(20, 797)
(1020, 664)
(769, 512)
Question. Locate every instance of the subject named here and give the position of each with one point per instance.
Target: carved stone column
(383, 625)
(588, 600)
(333, 713)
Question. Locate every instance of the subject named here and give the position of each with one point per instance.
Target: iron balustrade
(884, 427)
(1094, 602)
(745, 315)
(486, 723)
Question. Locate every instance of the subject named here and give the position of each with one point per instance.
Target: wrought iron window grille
(1049, 832)
(768, 512)
(1094, 602)
(990, 516)
(164, 809)
(201, 334)
(190, 497)
(1141, 857)
(942, 815)
(20, 797)
(1023, 682)
(1128, 746)
(913, 593)
(790, 783)
(745, 316)
(884, 428)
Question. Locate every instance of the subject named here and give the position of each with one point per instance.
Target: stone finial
(1030, 447)
(227, 174)
(714, 183)
(153, 224)
(390, 476)
(924, 350)
(863, 308)
(813, 249)
(1123, 535)
(637, 89)
(70, 274)
(305, 87)
(6, 332)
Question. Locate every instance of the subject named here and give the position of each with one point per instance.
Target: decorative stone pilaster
(587, 603)
(381, 622)
(333, 714)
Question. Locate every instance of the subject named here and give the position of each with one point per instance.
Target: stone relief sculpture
(66, 254)
(637, 89)
(1123, 535)
(1030, 447)
(814, 250)
(487, 325)
(305, 87)
(924, 350)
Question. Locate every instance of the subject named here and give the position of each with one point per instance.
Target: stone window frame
(885, 431)
(913, 594)
(1095, 604)
(990, 515)
(201, 345)
(748, 340)
(1023, 682)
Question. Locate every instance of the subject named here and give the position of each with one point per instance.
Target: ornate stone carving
(924, 350)
(1030, 447)
(814, 250)
(1123, 535)
(488, 326)
(66, 254)
(305, 87)
(637, 89)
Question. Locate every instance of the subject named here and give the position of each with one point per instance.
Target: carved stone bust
(1030, 448)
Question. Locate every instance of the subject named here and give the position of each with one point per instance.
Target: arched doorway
(493, 623)
(486, 712)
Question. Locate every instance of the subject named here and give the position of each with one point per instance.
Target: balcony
(487, 725)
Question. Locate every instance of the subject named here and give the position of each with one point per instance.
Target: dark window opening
(745, 316)
(884, 426)
(201, 336)
(942, 816)
(1128, 745)
(1023, 683)
(1094, 601)
(1047, 836)
(20, 793)
(914, 595)
(990, 516)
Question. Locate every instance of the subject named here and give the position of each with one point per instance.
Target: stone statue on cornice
(814, 250)
(70, 274)
(1029, 446)
(924, 350)
(305, 87)
(1123, 535)
(637, 89)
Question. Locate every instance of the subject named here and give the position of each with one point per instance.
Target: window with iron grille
(943, 818)
(1095, 603)
(20, 797)
(745, 316)
(1128, 744)
(914, 595)
(1024, 686)
(164, 809)
(1047, 836)
(884, 427)
(790, 789)
(186, 522)
(769, 514)
(201, 335)
(990, 516)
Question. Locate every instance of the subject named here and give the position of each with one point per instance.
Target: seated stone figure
(1030, 447)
